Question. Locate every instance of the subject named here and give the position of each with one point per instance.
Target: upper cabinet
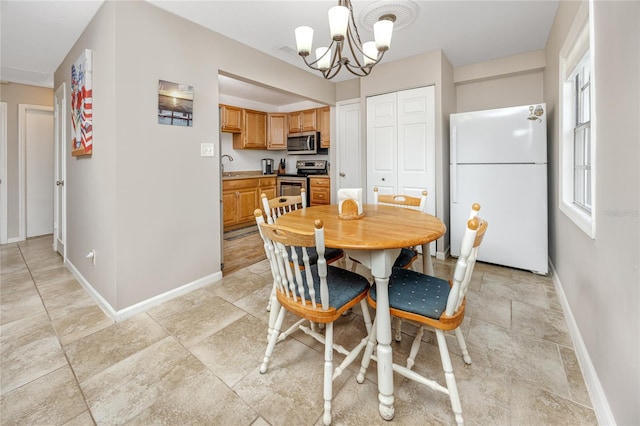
(261, 130)
(277, 131)
(303, 121)
(231, 119)
(324, 126)
(254, 131)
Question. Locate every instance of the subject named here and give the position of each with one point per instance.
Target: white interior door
(36, 140)
(59, 208)
(3, 173)
(401, 145)
(382, 143)
(349, 145)
(417, 144)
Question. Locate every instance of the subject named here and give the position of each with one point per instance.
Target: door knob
(59, 182)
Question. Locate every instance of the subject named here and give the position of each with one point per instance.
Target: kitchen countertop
(246, 174)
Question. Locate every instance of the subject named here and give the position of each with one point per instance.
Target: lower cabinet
(240, 198)
(320, 190)
(268, 187)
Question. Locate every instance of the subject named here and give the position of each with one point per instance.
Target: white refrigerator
(499, 159)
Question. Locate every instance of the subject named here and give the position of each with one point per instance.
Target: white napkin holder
(350, 203)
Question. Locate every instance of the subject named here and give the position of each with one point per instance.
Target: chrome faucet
(222, 157)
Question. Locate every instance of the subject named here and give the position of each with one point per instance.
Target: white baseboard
(599, 401)
(145, 304)
(14, 240)
(443, 255)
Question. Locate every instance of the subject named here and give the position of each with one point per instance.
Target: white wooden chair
(275, 207)
(316, 293)
(436, 303)
(407, 255)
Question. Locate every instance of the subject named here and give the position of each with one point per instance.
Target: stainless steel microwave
(303, 143)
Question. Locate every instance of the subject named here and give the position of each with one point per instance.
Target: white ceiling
(36, 35)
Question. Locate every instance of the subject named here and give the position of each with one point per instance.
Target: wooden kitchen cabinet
(324, 126)
(254, 131)
(239, 200)
(267, 187)
(320, 190)
(231, 119)
(277, 128)
(303, 121)
(241, 197)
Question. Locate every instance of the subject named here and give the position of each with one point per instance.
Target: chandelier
(346, 48)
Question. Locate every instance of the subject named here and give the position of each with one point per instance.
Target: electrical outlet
(207, 150)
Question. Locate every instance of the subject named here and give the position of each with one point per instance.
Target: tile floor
(195, 359)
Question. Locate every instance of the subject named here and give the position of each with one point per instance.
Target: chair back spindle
(276, 207)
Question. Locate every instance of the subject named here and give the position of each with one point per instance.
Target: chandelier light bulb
(338, 22)
(370, 52)
(323, 57)
(382, 30)
(304, 39)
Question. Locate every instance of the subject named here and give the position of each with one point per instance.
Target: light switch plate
(206, 150)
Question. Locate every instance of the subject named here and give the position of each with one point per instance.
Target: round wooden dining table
(374, 240)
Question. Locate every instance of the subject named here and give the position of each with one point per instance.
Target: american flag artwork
(82, 105)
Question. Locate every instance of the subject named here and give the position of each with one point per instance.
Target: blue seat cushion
(343, 285)
(405, 258)
(329, 254)
(420, 294)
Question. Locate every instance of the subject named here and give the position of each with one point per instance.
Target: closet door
(401, 143)
(382, 143)
(416, 144)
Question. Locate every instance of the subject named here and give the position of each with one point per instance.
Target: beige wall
(146, 201)
(448, 104)
(600, 276)
(347, 90)
(501, 92)
(500, 83)
(14, 94)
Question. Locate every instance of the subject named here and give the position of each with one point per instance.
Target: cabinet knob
(383, 179)
(342, 174)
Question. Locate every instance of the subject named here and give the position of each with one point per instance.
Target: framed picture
(81, 106)
(175, 104)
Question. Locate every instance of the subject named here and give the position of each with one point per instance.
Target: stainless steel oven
(291, 185)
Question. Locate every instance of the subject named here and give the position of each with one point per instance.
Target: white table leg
(380, 262)
(384, 352)
(427, 264)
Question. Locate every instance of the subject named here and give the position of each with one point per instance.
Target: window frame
(576, 53)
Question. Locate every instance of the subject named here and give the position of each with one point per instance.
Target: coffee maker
(267, 166)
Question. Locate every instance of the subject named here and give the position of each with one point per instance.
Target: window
(582, 136)
(577, 142)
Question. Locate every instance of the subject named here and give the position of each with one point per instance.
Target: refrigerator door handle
(453, 171)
